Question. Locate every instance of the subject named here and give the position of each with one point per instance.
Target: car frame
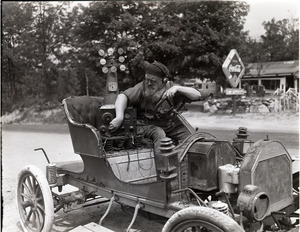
(201, 184)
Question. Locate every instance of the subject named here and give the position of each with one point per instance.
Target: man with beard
(145, 95)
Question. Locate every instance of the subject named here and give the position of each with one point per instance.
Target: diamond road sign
(233, 68)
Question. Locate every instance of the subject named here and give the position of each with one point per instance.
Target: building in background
(272, 76)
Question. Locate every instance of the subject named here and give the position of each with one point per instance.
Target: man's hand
(170, 92)
(115, 124)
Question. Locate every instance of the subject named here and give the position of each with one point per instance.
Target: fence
(288, 100)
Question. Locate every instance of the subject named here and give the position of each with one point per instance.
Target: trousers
(173, 129)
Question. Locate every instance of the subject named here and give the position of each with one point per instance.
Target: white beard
(154, 92)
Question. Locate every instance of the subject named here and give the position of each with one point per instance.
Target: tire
(34, 200)
(201, 219)
(296, 188)
(296, 181)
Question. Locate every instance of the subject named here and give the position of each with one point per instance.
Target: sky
(265, 10)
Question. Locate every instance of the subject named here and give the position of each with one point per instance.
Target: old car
(200, 184)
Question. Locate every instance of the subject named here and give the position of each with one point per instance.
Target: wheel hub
(32, 202)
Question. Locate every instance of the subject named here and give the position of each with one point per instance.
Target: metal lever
(44, 154)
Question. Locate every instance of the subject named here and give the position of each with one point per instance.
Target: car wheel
(201, 219)
(34, 200)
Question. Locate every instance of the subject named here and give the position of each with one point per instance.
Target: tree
(292, 39)
(49, 49)
(280, 42)
(281, 39)
(16, 34)
(191, 38)
(52, 34)
(39, 50)
(196, 36)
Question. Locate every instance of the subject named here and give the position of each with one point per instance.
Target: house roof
(279, 68)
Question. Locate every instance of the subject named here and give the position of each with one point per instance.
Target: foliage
(281, 34)
(50, 50)
(279, 43)
(192, 38)
(16, 21)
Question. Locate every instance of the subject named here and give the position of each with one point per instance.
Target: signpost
(233, 69)
(235, 91)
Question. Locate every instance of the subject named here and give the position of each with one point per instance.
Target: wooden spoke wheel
(34, 200)
(201, 219)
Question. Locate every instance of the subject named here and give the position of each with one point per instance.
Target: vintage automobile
(201, 184)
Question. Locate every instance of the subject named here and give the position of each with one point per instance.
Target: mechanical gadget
(125, 137)
(128, 127)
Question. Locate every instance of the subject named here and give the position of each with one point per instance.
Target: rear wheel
(296, 189)
(296, 181)
(34, 200)
(201, 219)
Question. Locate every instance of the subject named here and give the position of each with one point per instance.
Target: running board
(91, 227)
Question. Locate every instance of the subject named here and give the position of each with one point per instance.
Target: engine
(203, 160)
(258, 185)
(263, 180)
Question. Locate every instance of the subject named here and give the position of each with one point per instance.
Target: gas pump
(125, 136)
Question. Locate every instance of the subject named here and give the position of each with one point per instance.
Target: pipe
(107, 210)
(137, 207)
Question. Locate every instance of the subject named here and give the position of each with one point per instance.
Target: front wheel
(201, 219)
(34, 200)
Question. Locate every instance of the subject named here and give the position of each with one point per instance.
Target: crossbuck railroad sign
(233, 68)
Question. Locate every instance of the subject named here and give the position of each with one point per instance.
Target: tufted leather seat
(84, 109)
(81, 113)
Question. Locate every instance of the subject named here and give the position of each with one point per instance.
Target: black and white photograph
(150, 116)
